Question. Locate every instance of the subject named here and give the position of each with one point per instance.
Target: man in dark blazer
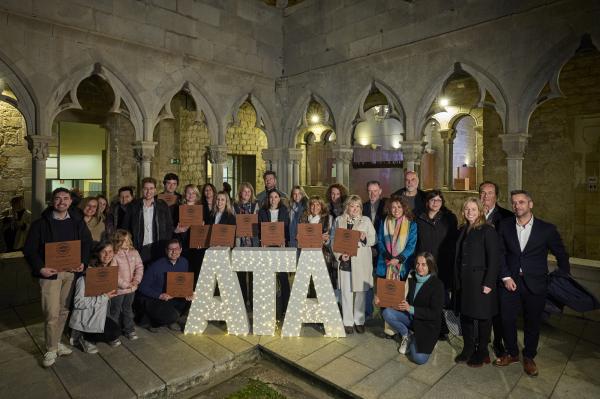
(494, 213)
(373, 209)
(411, 192)
(526, 242)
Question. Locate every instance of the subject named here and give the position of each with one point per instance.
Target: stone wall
(122, 163)
(245, 138)
(555, 167)
(15, 158)
(193, 148)
(494, 158)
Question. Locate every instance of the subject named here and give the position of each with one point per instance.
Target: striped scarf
(395, 235)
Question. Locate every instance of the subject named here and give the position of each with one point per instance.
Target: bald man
(412, 194)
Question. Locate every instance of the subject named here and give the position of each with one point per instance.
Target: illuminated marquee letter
(323, 308)
(263, 263)
(229, 307)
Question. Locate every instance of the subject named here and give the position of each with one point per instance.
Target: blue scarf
(420, 281)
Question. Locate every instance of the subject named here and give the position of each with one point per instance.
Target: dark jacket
(294, 222)
(162, 226)
(499, 214)
(477, 264)
(534, 259)
(42, 232)
(264, 215)
(226, 218)
(438, 236)
(378, 213)
(419, 200)
(427, 317)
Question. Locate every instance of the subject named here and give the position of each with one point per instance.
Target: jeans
(401, 322)
(121, 311)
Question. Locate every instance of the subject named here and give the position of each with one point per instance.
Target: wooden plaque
(100, 280)
(222, 235)
(272, 234)
(63, 255)
(310, 235)
(199, 236)
(390, 292)
(180, 284)
(346, 241)
(245, 224)
(170, 199)
(191, 215)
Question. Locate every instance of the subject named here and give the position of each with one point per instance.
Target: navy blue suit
(529, 270)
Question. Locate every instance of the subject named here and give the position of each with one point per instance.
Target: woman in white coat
(355, 273)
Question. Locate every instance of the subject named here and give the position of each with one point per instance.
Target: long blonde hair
(119, 238)
(480, 219)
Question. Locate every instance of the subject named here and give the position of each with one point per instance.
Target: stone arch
(298, 121)
(356, 112)
(25, 101)
(263, 120)
(125, 102)
(202, 104)
(486, 83)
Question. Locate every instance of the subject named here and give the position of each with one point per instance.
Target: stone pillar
(294, 158)
(343, 158)
(412, 152)
(514, 145)
(144, 152)
(38, 145)
(479, 161)
(217, 155)
(448, 136)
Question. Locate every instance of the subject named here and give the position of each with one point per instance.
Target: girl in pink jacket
(131, 270)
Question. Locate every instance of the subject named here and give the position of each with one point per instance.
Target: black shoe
(349, 330)
(360, 328)
(499, 350)
(464, 356)
(153, 330)
(478, 359)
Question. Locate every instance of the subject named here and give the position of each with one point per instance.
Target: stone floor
(162, 364)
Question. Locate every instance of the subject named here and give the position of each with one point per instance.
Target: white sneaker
(63, 350)
(132, 336)
(49, 358)
(87, 346)
(115, 343)
(404, 345)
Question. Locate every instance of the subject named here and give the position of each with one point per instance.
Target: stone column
(343, 158)
(38, 145)
(479, 161)
(217, 155)
(412, 152)
(514, 145)
(294, 158)
(448, 136)
(144, 152)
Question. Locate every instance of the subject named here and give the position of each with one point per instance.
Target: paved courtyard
(166, 363)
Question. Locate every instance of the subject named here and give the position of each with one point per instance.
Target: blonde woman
(91, 217)
(356, 272)
(317, 212)
(476, 270)
(191, 196)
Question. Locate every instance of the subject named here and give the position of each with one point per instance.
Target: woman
(222, 212)
(102, 207)
(275, 211)
(208, 199)
(436, 233)
(476, 271)
(336, 197)
(96, 226)
(246, 204)
(191, 196)
(420, 313)
(89, 320)
(355, 273)
(297, 207)
(396, 240)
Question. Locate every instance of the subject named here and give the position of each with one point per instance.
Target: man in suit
(526, 242)
(494, 213)
(373, 209)
(412, 194)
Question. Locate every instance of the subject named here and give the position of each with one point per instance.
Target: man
(526, 241)
(270, 178)
(494, 213)
(170, 183)
(373, 209)
(15, 224)
(149, 221)
(412, 194)
(158, 307)
(119, 209)
(56, 224)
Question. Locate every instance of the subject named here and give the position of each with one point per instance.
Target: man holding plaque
(56, 225)
(158, 307)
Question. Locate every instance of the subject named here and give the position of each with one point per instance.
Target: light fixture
(444, 102)
(314, 118)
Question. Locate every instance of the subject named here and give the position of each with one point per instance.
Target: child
(131, 270)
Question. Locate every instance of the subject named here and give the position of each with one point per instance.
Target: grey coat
(89, 312)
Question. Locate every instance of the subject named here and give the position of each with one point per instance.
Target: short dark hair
(430, 260)
(496, 188)
(173, 241)
(524, 192)
(435, 193)
(170, 176)
(269, 172)
(149, 180)
(370, 182)
(126, 188)
(60, 190)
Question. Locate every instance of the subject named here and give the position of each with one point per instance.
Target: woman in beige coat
(355, 273)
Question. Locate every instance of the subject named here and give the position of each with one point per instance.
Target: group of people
(485, 270)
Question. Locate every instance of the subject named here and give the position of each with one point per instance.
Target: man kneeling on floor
(157, 307)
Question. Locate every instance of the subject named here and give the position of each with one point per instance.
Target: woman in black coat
(275, 211)
(222, 212)
(421, 312)
(475, 275)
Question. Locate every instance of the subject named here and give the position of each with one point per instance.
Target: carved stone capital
(144, 150)
(295, 154)
(343, 153)
(448, 134)
(217, 154)
(271, 154)
(514, 144)
(412, 151)
(38, 146)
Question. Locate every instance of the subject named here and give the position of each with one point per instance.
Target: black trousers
(532, 305)
(112, 331)
(159, 312)
(484, 329)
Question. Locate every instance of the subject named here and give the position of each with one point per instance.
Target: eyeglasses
(435, 200)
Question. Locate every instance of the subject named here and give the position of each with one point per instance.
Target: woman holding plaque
(89, 206)
(246, 205)
(222, 212)
(356, 272)
(209, 194)
(476, 270)
(276, 211)
(336, 197)
(191, 196)
(90, 321)
(297, 207)
(418, 318)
